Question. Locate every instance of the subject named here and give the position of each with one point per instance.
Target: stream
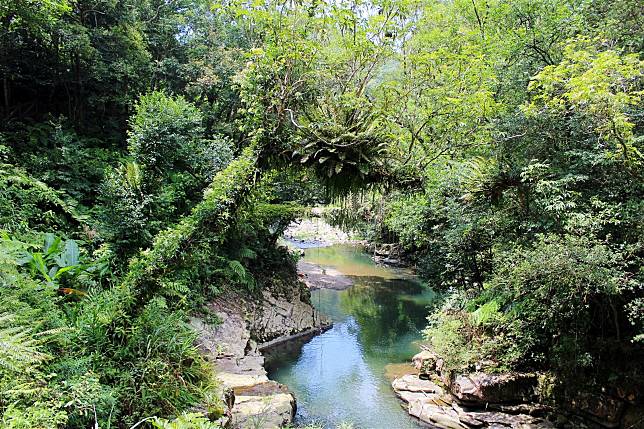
(344, 374)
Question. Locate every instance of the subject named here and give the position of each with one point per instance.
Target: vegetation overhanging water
(152, 152)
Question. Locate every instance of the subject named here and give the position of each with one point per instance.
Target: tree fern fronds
(237, 268)
(247, 253)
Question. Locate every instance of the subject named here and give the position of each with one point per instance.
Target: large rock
(436, 415)
(278, 317)
(482, 388)
(266, 405)
(427, 362)
(603, 409)
(232, 345)
(429, 403)
(411, 383)
(475, 400)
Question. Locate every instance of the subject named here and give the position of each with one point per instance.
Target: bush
(29, 204)
(554, 305)
(165, 133)
(76, 361)
(171, 163)
(127, 208)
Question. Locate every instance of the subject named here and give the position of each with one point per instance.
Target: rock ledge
(253, 400)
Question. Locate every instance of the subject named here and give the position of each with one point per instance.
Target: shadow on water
(339, 375)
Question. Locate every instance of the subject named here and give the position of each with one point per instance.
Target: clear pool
(341, 375)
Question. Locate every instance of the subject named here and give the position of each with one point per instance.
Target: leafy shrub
(447, 335)
(32, 331)
(553, 305)
(97, 359)
(127, 208)
(56, 261)
(165, 133)
(55, 154)
(29, 204)
(407, 217)
(147, 360)
(171, 163)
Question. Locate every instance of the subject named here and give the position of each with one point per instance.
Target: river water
(341, 375)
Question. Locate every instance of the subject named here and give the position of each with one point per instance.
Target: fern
(184, 421)
(237, 268)
(486, 314)
(132, 173)
(18, 346)
(247, 253)
(241, 274)
(175, 288)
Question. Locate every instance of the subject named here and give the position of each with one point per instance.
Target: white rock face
(316, 230)
(232, 345)
(277, 317)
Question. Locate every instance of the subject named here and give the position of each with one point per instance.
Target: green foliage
(19, 349)
(185, 421)
(26, 204)
(601, 86)
(97, 360)
(147, 361)
(209, 218)
(126, 218)
(171, 164)
(540, 309)
(449, 339)
(31, 328)
(32, 15)
(406, 217)
(56, 260)
(164, 133)
(500, 143)
(54, 153)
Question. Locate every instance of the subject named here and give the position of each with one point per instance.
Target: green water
(339, 376)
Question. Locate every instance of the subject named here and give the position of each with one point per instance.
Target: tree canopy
(152, 152)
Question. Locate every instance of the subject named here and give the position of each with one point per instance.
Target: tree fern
(241, 274)
(247, 253)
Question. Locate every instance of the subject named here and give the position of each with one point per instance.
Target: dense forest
(153, 151)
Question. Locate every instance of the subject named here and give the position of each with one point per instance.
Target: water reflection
(339, 375)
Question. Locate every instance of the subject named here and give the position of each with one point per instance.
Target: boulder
(255, 401)
(482, 388)
(411, 383)
(427, 362)
(432, 405)
(436, 415)
(603, 409)
(266, 412)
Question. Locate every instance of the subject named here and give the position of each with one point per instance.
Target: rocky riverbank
(318, 277)
(234, 346)
(390, 254)
(317, 232)
(481, 400)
